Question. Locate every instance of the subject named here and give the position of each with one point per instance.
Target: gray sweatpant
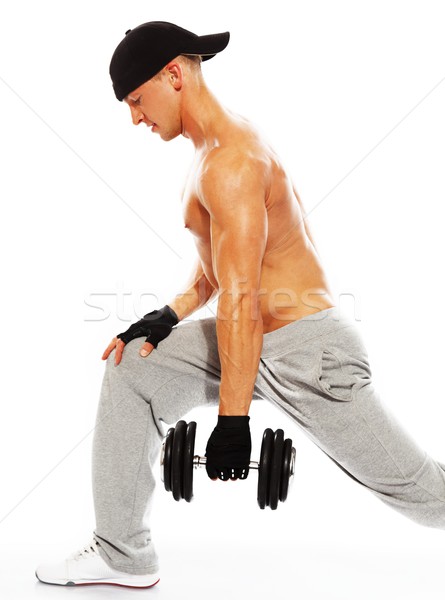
(315, 369)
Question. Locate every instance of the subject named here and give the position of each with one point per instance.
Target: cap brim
(209, 45)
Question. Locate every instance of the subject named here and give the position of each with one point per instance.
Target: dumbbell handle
(200, 461)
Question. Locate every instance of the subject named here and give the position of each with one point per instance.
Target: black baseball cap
(147, 48)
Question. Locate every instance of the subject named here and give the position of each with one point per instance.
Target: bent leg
(137, 396)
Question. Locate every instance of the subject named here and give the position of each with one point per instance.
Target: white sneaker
(87, 567)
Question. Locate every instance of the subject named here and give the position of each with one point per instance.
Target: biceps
(237, 258)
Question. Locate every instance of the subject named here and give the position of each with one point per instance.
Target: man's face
(156, 103)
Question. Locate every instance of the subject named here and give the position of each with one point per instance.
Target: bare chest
(197, 221)
(195, 216)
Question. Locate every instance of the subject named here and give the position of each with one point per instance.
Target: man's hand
(228, 449)
(119, 345)
(156, 325)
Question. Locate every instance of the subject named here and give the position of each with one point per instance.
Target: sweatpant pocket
(339, 372)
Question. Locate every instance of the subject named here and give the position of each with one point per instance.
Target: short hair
(192, 60)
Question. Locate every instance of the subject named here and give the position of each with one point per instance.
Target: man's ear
(175, 74)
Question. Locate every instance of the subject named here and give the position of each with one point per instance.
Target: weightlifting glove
(228, 449)
(155, 325)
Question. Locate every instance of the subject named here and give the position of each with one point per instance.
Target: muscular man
(277, 335)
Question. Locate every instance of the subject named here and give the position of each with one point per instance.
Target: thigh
(183, 372)
(326, 386)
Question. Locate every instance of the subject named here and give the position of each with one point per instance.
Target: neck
(203, 117)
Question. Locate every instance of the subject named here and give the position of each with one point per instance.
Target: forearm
(239, 329)
(198, 292)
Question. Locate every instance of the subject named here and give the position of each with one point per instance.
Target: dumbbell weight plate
(276, 469)
(285, 473)
(167, 459)
(189, 448)
(264, 468)
(177, 460)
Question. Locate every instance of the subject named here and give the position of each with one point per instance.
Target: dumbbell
(275, 469)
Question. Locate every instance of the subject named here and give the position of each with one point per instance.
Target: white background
(351, 96)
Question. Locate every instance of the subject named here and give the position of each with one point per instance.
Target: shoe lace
(87, 551)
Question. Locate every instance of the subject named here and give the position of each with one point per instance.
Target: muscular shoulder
(227, 171)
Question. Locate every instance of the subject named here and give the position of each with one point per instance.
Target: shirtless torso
(293, 283)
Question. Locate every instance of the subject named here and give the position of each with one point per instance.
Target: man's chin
(167, 137)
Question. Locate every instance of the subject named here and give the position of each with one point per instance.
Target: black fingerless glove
(228, 449)
(155, 325)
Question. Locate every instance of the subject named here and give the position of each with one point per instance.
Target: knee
(130, 358)
(112, 372)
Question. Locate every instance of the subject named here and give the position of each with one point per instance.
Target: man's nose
(136, 117)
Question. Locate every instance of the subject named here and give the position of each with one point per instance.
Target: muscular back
(293, 283)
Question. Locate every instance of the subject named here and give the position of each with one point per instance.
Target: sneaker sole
(119, 583)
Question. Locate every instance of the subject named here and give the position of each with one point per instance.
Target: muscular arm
(233, 192)
(198, 292)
